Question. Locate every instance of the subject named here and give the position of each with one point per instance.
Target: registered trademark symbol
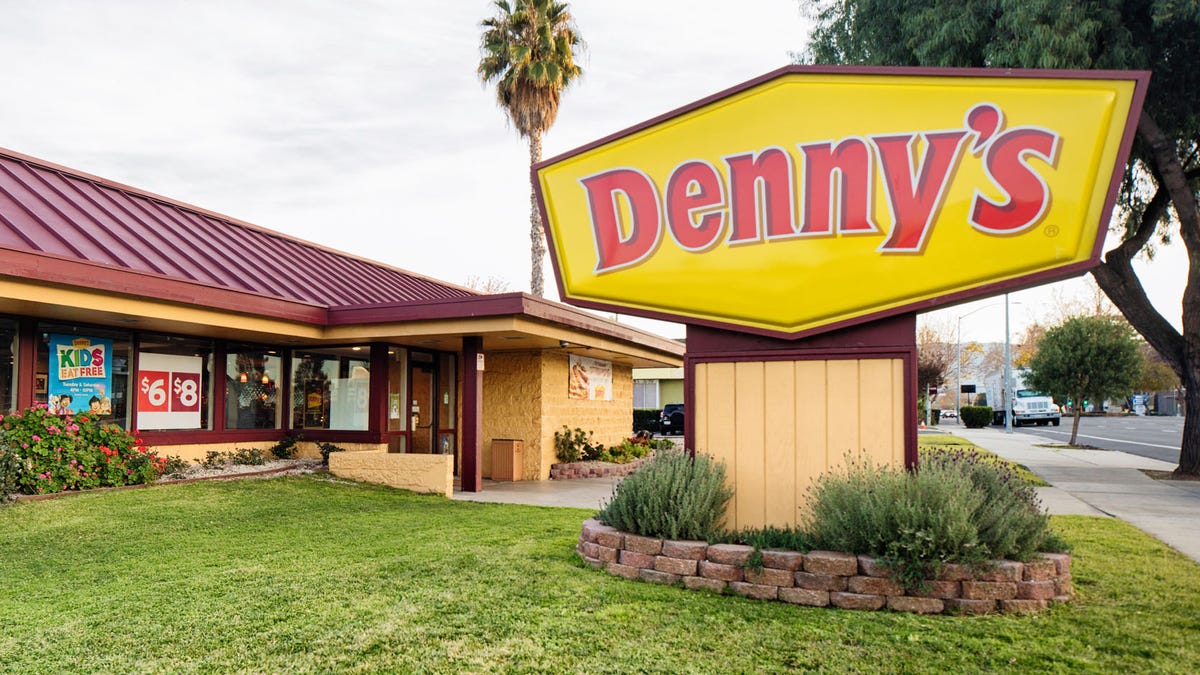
(1051, 230)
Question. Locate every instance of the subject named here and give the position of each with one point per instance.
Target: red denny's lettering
(756, 197)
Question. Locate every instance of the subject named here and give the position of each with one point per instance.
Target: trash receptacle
(507, 455)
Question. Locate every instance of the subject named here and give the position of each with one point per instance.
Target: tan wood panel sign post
(798, 222)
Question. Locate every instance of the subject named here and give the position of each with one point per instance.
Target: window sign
(168, 391)
(80, 374)
(590, 379)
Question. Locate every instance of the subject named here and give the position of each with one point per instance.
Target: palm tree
(528, 50)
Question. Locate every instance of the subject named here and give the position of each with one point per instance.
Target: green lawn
(308, 574)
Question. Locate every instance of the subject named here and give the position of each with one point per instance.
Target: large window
(8, 365)
(645, 394)
(252, 388)
(85, 370)
(331, 388)
(174, 383)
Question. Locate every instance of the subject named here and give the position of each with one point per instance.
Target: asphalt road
(1154, 437)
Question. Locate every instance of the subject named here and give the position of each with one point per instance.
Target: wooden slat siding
(779, 440)
(777, 425)
(876, 392)
(843, 411)
(721, 398)
(750, 451)
(812, 432)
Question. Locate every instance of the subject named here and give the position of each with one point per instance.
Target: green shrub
(247, 456)
(327, 449)
(955, 508)
(672, 495)
(243, 456)
(10, 472)
(975, 416)
(770, 537)
(175, 465)
(571, 445)
(935, 416)
(912, 522)
(1007, 514)
(628, 450)
(74, 452)
(286, 449)
(645, 419)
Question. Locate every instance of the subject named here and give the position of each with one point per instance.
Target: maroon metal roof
(54, 211)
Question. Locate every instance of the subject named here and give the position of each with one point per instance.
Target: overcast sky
(361, 125)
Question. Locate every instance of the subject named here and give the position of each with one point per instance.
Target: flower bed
(567, 470)
(826, 578)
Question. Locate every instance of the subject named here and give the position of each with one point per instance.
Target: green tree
(528, 49)
(1086, 358)
(1163, 174)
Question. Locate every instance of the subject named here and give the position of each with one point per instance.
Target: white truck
(1027, 407)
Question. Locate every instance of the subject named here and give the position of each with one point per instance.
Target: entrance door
(422, 377)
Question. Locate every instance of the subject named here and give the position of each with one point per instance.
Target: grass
(302, 574)
(940, 442)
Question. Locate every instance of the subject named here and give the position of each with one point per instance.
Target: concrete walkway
(580, 493)
(1103, 483)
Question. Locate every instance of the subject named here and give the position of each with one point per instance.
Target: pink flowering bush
(74, 452)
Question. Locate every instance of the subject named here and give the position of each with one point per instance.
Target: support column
(472, 414)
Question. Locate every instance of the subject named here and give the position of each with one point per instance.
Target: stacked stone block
(563, 471)
(826, 578)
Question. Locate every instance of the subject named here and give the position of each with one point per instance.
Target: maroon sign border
(1141, 81)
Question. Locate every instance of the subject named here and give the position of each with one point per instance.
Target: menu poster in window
(168, 391)
(589, 379)
(80, 375)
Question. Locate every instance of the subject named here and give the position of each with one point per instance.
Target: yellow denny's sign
(814, 198)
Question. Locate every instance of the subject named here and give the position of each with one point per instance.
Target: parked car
(670, 420)
(949, 414)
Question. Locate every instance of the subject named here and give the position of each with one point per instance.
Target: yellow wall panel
(779, 440)
(779, 424)
(718, 414)
(750, 449)
(843, 410)
(812, 438)
(875, 396)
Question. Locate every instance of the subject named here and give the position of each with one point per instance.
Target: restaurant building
(204, 333)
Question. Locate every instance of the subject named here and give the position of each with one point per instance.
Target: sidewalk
(1102, 483)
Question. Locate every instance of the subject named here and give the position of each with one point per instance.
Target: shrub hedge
(975, 416)
(645, 419)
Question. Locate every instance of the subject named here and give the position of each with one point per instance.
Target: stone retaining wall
(594, 469)
(430, 474)
(826, 578)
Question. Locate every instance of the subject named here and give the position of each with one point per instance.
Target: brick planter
(826, 578)
(594, 469)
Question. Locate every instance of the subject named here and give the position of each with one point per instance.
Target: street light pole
(1008, 407)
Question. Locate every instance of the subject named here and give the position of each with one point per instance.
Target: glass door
(423, 412)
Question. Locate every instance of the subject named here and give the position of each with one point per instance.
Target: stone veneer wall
(826, 578)
(609, 421)
(429, 474)
(525, 398)
(512, 404)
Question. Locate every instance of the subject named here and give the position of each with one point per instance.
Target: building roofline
(146, 194)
